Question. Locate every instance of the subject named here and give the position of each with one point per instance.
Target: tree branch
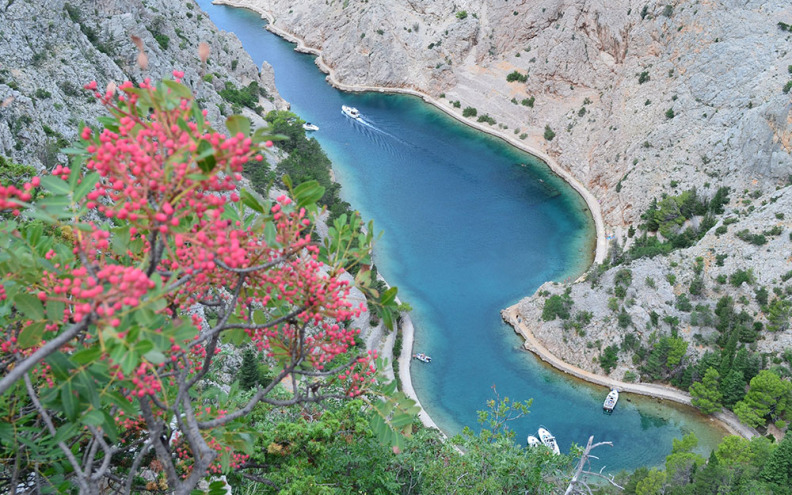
(51, 428)
(25, 365)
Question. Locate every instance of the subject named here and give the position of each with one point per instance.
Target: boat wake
(381, 137)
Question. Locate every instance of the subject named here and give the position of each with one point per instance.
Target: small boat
(422, 357)
(610, 401)
(548, 440)
(533, 441)
(310, 127)
(350, 112)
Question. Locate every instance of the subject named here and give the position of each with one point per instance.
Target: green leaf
(237, 124)
(60, 365)
(177, 89)
(155, 357)
(144, 346)
(389, 296)
(30, 306)
(197, 116)
(120, 401)
(85, 356)
(236, 336)
(31, 335)
(92, 418)
(270, 234)
(55, 310)
(68, 400)
(308, 193)
(251, 201)
(109, 427)
(206, 159)
(65, 432)
(86, 185)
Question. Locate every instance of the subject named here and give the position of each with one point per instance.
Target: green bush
(737, 278)
(556, 307)
(669, 113)
(516, 76)
(162, 40)
(747, 236)
(625, 320)
(609, 358)
(469, 112)
(548, 133)
(643, 77)
(487, 119)
(462, 14)
(528, 102)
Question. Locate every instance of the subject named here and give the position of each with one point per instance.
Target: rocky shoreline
(726, 419)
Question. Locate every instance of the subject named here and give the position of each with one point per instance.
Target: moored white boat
(350, 111)
(310, 127)
(548, 440)
(533, 441)
(423, 357)
(610, 401)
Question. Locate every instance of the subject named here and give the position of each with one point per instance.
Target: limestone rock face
(50, 49)
(604, 75)
(657, 283)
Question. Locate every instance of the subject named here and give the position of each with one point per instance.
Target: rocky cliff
(603, 76)
(638, 101)
(50, 49)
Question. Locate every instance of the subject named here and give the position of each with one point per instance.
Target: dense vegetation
(306, 162)
(756, 467)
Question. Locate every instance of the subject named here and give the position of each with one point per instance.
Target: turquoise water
(470, 225)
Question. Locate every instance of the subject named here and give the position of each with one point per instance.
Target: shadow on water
(471, 226)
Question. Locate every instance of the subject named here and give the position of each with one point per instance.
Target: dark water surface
(470, 225)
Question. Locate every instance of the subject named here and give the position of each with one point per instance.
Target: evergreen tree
(706, 394)
(747, 362)
(733, 387)
(249, 373)
(768, 395)
(708, 479)
(778, 468)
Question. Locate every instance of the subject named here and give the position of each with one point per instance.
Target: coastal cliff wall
(49, 50)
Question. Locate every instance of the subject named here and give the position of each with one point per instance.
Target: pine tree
(708, 479)
(768, 395)
(733, 387)
(706, 394)
(778, 468)
(249, 373)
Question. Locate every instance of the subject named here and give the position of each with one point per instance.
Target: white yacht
(423, 357)
(610, 401)
(548, 440)
(310, 127)
(350, 112)
(533, 441)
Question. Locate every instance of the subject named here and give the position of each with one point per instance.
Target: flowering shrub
(122, 281)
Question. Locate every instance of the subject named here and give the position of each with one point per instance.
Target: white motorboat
(350, 112)
(533, 441)
(423, 357)
(548, 440)
(310, 127)
(610, 401)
